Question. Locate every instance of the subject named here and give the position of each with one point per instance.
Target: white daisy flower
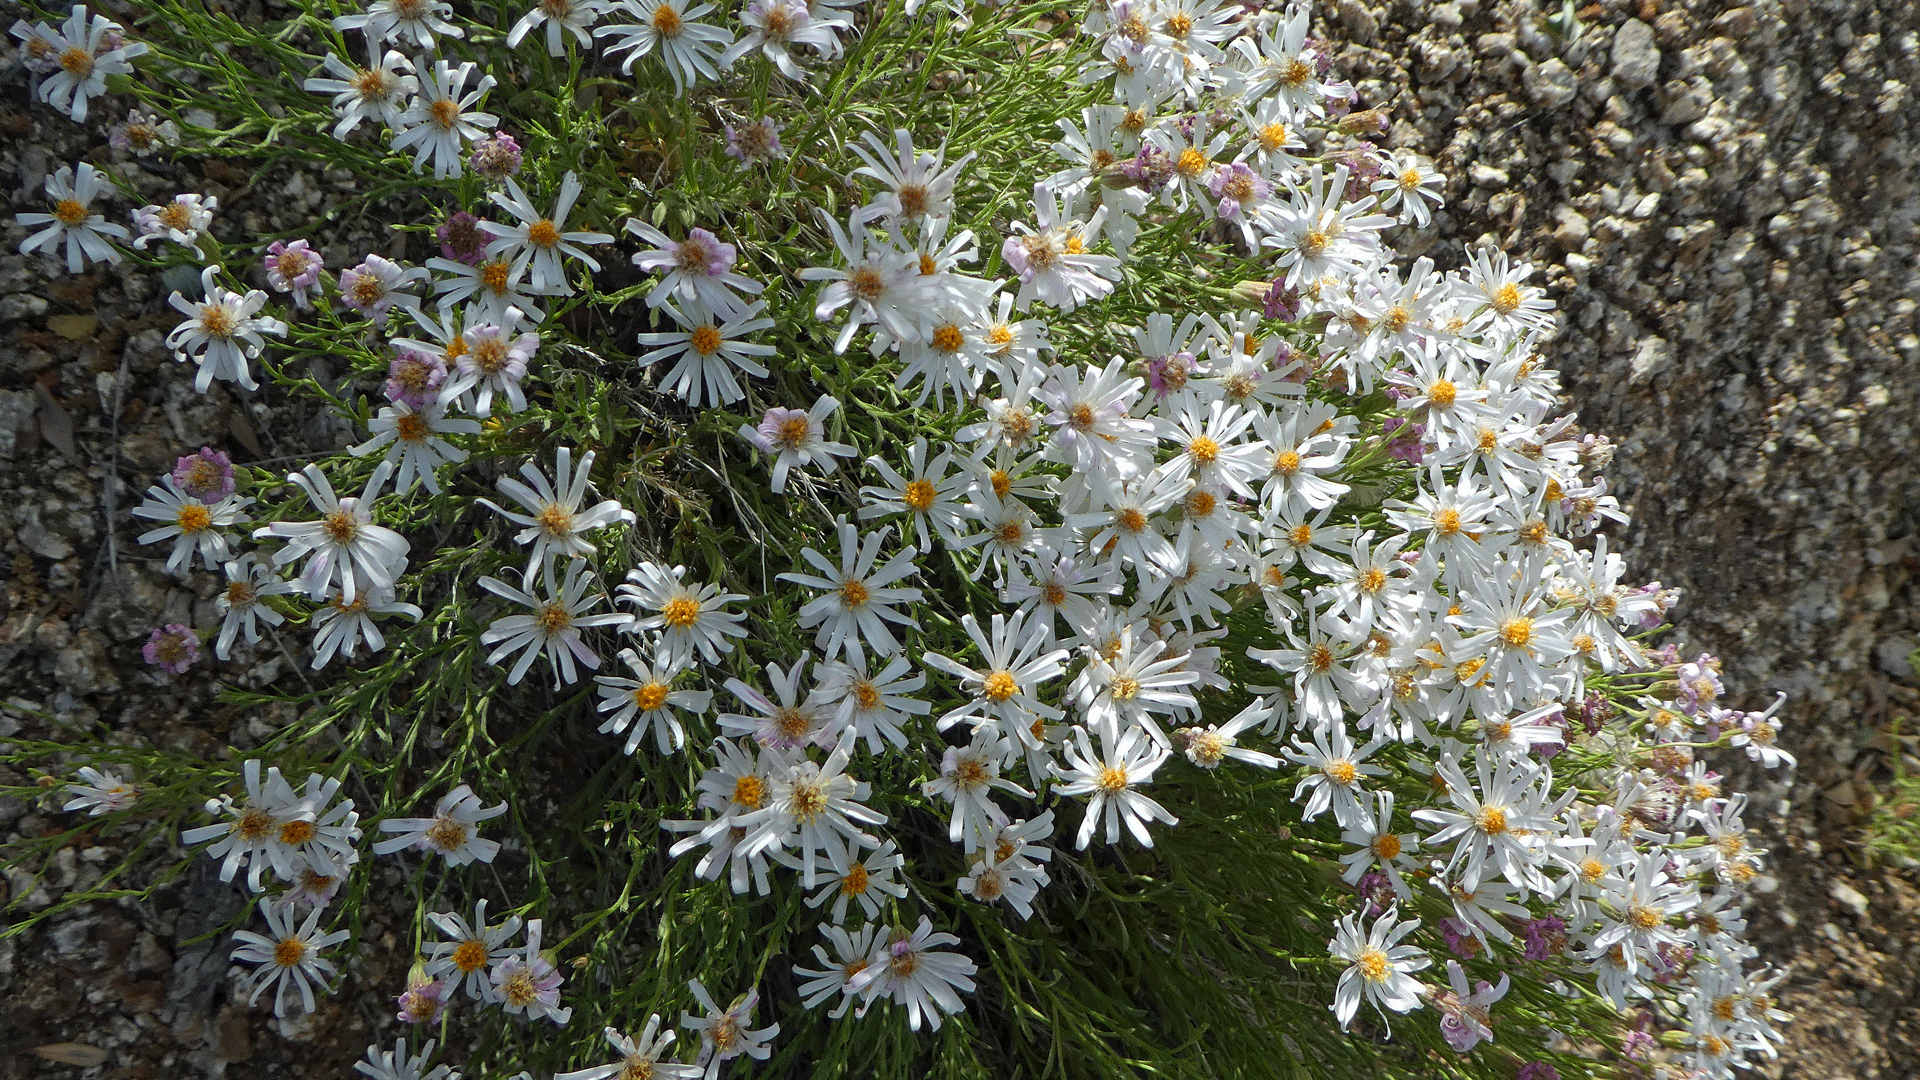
(1121, 690)
(834, 978)
(469, 949)
(774, 26)
(1051, 256)
(492, 362)
(872, 706)
(1336, 775)
(797, 438)
(254, 835)
(911, 970)
(707, 349)
(444, 117)
(870, 881)
(1110, 779)
(542, 235)
(554, 625)
(575, 17)
(791, 722)
(412, 439)
(242, 603)
(394, 20)
(1004, 689)
(917, 184)
(554, 522)
(394, 1064)
(341, 625)
(816, 809)
(377, 92)
(689, 619)
(81, 65)
(726, 1034)
(1379, 846)
(452, 832)
(882, 283)
(1379, 968)
(181, 221)
(99, 792)
(859, 601)
(287, 956)
(346, 545)
(529, 983)
(690, 50)
(931, 500)
(968, 775)
(496, 286)
(192, 525)
(647, 701)
(72, 188)
(698, 269)
(222, 332)
(374, 286)
(639, 1057)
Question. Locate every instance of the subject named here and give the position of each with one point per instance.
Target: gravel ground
(1720, 197)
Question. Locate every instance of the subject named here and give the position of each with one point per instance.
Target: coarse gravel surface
(1720, 197)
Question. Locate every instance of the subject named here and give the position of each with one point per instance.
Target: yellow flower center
(750, 791)
(681, 612)
(1492, 820)
(856, 880)
(1385, 846)
(853, 593)
(1373, 965)
(217, 322)
(447, 835)
(913, 198)
(542, 233)
(412, 427)
(193, 517)
(1110, 780)
(793, 432)
(1190, 163)
(493, 276)
(295, 833)
(667, 21)
(1516, 632)
(1273, 137)
(1340, 771)
(289, 952)
(70, 211)
(1179, 24)
(445, 112)
(650, 696)
(341, 527)
(554, 618)
(705, 340)
(948, 338)
(1506, 299)
(470, 956)
(918, 495)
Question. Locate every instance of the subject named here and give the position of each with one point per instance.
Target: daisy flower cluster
(1066, 566)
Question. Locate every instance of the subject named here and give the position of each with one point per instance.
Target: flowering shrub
(1071, 583)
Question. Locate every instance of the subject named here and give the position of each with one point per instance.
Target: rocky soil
(1720, 197)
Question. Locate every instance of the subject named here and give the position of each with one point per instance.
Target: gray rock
(1636, 60)
(1550, 84)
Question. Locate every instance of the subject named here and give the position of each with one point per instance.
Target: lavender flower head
(1282, 302)
(751, 144)
(1150, 169)
(423, 1000)
(140, 133)
(1546, 938)
(1169, 373)
(1405, 439)
(496, 157)
(414, 378)
(207, 475)
(1236, 185)
(294, 268)
(172, 648)
(700, 253)
(1537, 1070)
(462, 239)
(1700, 685)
